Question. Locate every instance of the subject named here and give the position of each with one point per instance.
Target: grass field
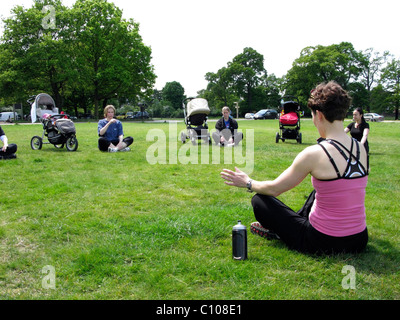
(114, 226)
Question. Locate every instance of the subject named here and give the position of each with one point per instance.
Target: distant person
(227, 134)
(111, 133)
(8, 150)
(359, 129)
(333, 218)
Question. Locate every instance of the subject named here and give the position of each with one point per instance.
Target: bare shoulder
(308, 158)
(310, 153)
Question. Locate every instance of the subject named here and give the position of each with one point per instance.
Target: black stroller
(58, 128)
(196, 120)
(289, 121)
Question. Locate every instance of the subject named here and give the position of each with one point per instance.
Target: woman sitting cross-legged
(8, 150)
(111, 133)
(333, 219)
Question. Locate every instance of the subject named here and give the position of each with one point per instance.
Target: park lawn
(115, 226)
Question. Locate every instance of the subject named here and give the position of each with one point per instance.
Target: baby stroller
(289, 121)
(196, 120)
(58, 128)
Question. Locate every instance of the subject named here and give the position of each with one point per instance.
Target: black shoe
(257, 229)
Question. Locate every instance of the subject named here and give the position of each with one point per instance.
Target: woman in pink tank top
(333, 218)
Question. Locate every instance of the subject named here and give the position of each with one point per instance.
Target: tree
(380, 99)
(90, 55)
(391, 81)
(219, 91)
(174, 93)
(246, 70)
(111, 58)
(371, 66)
(272, 87)
(338, 62)
(34, 57)
(244, 80)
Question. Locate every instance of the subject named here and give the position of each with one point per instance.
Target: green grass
(115, 227)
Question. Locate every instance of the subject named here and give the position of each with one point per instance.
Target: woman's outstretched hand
(235, 178)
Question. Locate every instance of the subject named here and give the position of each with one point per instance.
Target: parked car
(141, 115)
(249, 116)
(86, 116)
(373, 117)
(129, 115)
(266, 114)
(9, 116)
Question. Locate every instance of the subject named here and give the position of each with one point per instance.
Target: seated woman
(111, 133)
(8, 150)
(333, 218)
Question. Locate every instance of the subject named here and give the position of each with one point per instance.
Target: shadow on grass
(380, 257)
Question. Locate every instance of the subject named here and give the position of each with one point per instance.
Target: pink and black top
(339, 209)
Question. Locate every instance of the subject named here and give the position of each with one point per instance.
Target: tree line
(85, 57)
(88, 56)
(372, 78)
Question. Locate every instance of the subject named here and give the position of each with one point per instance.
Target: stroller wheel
(36, 143)
(277, 137)
(72, 144)
(299, 138)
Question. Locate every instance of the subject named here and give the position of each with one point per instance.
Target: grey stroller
(196, 114)
(58, 128)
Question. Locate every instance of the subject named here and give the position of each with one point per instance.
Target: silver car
(373, 117)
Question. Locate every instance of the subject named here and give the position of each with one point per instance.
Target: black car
(266, 114)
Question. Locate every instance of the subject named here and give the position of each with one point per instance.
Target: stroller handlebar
(31, 100)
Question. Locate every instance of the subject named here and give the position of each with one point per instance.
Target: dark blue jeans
(295, 230)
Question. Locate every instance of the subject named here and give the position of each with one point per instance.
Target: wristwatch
(248, 185)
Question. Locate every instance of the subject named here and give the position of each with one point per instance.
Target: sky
(189, 38)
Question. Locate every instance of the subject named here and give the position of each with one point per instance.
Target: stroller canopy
(197, 106)
(43, 103)
(290, 106)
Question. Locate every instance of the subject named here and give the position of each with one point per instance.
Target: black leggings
(295, 230)
(11, 149)
(104, 143)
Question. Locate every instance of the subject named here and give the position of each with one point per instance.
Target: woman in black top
(359, 129)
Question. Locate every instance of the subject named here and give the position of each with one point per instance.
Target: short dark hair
(330, 99)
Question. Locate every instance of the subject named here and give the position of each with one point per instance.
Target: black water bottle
(239, 242)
